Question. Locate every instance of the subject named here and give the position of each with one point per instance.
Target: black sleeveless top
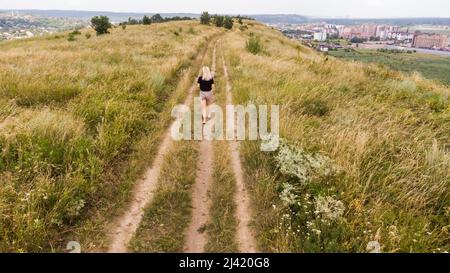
(205, 86)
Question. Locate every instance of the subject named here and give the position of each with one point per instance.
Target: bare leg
(208, 113)
(204, 110)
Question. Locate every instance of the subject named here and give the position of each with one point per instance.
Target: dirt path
(125, 226)
(244, 235)
(195, 234)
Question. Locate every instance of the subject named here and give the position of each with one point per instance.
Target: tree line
(157, 18)
(225, 21)
(101, 24)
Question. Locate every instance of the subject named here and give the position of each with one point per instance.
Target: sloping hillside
(80, 121)
(363, 162)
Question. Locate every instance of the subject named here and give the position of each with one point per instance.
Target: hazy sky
(333, 8)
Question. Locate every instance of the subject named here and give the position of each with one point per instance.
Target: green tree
(146, 20)
(101, 24)
(228, 22)
(157, 18)
(205, 19)
(219, 20)
(357, 40)
(132, 21)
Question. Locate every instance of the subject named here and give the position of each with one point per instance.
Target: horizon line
(244, 14)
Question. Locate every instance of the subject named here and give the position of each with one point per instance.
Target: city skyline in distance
(339, 9)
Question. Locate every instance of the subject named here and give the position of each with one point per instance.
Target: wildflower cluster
(294, 161)
(288, 195)
(286, 229)
(329, 208)
(270, 142)
(310, 218)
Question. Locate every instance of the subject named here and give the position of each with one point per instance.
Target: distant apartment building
(382, 32)
(430, 41)
(349, 32)
(362, 31)
(369, 31)
(320, 36)
(340, 29)
(393, 28)
(401, 36)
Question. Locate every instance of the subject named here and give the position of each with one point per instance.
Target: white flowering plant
(310, 214)
(329, 208)
(288, 195)
(295, 162)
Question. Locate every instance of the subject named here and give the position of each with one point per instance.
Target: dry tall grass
(387, 135)
(73, 116)
(79, 120)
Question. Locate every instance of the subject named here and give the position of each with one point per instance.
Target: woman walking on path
(206, 82)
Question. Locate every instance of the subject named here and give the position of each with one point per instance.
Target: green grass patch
(432, 67)
(162, 229)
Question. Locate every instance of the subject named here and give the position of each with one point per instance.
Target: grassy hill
(364, 156)
(79, 122)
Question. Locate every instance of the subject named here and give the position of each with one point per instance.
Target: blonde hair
(206, 74)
